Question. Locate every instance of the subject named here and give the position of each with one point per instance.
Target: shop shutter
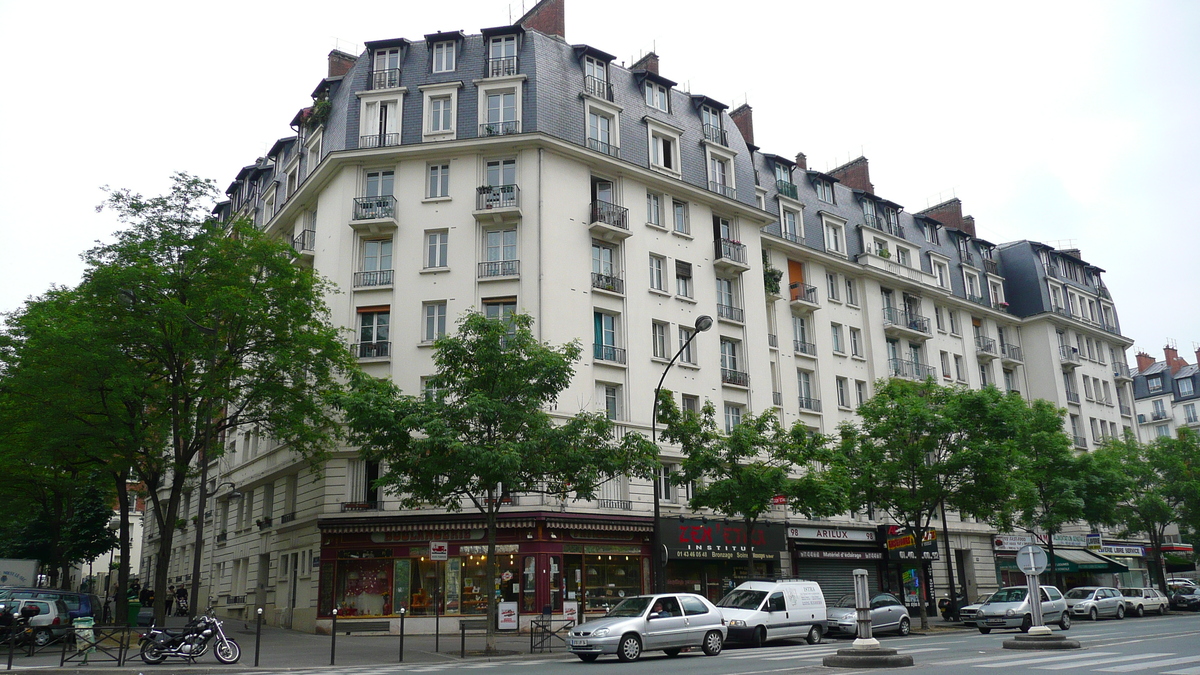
(836, 577)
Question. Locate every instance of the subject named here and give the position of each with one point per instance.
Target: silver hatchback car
(1010, 608)
(1095, 602)
(670, 622)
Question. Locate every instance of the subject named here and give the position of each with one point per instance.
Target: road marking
(814, 656)
(1101, 662)
(1024, 661)
(1131, 667)
(1185, 671)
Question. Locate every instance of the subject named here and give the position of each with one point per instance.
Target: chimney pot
(743, 118)
(649, 63)
(1144, 361)
(802, 161)
(1174, 363)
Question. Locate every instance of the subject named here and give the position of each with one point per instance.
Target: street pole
(703, 323)
(952, 609)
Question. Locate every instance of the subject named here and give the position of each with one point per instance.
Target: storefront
(829, 556)
(708, 556)
(371, 567)
(1077, 565)
(904, 560)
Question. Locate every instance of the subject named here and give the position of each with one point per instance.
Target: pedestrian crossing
(1097, 661)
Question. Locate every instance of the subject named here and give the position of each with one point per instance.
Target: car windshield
(630, 607)
(1131, 592)
(1080, 593)
(1009, 595)
(984, 598)
(845, 601)
(743, 599)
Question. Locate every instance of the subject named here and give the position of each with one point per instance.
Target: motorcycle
(191, 643)
(949, 608)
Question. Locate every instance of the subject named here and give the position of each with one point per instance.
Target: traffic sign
(1032, 559)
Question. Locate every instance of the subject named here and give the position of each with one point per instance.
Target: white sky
(1062, 122)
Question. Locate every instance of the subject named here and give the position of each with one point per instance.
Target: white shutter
(391, 117)
(356, 473)
(370, 125)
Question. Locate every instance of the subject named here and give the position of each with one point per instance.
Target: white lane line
(1043, 659)
(1185, 671)
(788, 650)
(1131, 667)
(903, 651)
(1101, 662)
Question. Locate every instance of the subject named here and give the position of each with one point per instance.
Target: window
(789, 225)
(439, 181)
(942, 273)
(800, 328)
(387, 69)
(605, 333)
(824, 190)
(656, 273)
(958, 369)
(833, 238)
(985, 375)
(443, 57)
(597, 70)
(600, 132)
(683, 279)
(680, 214)
(687, 346)
(1160, 410)
(441, 114)
(931, 233)
(666, 489)
(1162, 431)
(831, 286)
(937, 316)
(902, 256)
(654, 209)
(501, 245)
(658, 338)
(725, 292)
(945, 365)
(1189, 413)
(733, 417)
(1010, 380)
(860, 390)
(843, 393)
(804, 380)
(501, 112)
(377, 256)
(435, 248)
(729, 355)
(380, 122)
(1154, 383)
(604, 259)
(380, 183)
(997, 292)
(953, 321)
(836, 332)
(711, 118)
(657, 97)
(373, 332)
(972, 283)
(502, 172)
(851, 292)
(1185, 387)
(1087, 387)
(499, 309)
(663, 150)
(502, 56)
(612, 401)
(435, 321)
(689, 403)
(856, 342)
(718, 175)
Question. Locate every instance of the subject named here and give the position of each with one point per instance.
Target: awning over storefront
(1069, 560)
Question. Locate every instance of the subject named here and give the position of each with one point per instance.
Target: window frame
(433, 325)
(437, 173)
(656, 129)
(437, 251)
(446, 91)
(443, 56)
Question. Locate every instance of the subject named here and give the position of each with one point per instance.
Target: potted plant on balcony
(883, 253)
(771, 278)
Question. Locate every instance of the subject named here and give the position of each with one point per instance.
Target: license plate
(579, 643)
(995, 622)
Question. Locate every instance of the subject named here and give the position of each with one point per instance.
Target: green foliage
(320, 113)
(739, 474)
(772, 276)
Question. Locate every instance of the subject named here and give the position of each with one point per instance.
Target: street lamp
(199, 545)
(703, 323)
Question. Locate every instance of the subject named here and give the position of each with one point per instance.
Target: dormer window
(386, 73)
(657, 96)
(868, 208)
(931, 233)
(783, 172)
(443, 57)
(502, 56)
(824, 190)
(714, 131)
(595, 80)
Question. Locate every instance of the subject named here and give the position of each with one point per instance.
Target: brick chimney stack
(340, 63)
(1197, 355)
(648, 63)
(744, 119)
(855, 174)
(1144, 361)
(548, 16)
(802, 161)
(949, 213)
(1171, 354)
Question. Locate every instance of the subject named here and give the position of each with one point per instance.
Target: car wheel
(41, 637)
(713, 642)
(1139, 612)
(588, 658)
(1065, 622)
(985, 631)
(1121, 611)
(1026, 624)
(1094, 614)
(673, 651)
(905, 626)
(814, 635)
(630, 648)
(760, 636)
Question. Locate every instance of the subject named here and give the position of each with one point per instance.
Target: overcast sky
(1074, 124)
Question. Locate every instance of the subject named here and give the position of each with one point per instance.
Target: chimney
(1198, 356)
(548, 16)
(648, 63)
(949, 213)
(744, 119)
(1144, 361)
(1072, 252)
(340, 63)
(1171, 354)
(855, 175)
(802, 161)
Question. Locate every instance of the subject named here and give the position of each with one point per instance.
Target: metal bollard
(11, 640)
(258, 636)
(402, 613)
(333, 640)
(862, 605)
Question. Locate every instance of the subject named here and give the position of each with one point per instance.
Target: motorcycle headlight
(736, 622)
(206, 633)
(600, 632)
(1010, 613)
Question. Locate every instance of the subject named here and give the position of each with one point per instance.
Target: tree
(1051, 482)
(483, 431)
(740, 474)
(920, 447)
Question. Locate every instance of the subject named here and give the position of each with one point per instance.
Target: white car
(1138, 601)
(967, 613)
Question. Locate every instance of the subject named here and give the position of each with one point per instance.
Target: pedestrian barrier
(545, 633)
(465, 625)
(100, 643)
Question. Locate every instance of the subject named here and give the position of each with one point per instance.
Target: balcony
(731, 256)
(883, 225)
(501, 67)
(373, 350)
(609, 221)
(715, 134)
(805, 348)
(985, 347)
(594, 86)
(731, 313)
(603, 147)
(222, 537)
(1073, 397)
(810, 404)
(775, 230)
(777, 398)
(617, 504)
(608, 282)
(287, 518)
(385, 79)
(497, 202)
(991, 266)
(305, 243)
(499, 128)
(910, 370)
(1080, 442)
(378, 141)
(608, 353)
(1051, 271)
(375, 278)
(1015, 391)
(1062, 311)
(499, 269)
(1068, 356)
(1125, 410)
(1109, 328)
(736, 378)
(1011, 353)
(786, 189)
(902, 323)
(1158, 415)
(350, 507)
(722, 189)
(979, 300)
(803, 296)
(1121, 371)
(772, 341)
(374, 214)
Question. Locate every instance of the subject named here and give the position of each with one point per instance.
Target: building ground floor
(1078, 561)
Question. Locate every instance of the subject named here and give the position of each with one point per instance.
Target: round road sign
(1032, 559)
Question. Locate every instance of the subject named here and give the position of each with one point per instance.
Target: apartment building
(1166, 393)
(511, 171)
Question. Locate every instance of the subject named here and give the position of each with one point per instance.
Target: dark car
(78, 604)
(1186, 599)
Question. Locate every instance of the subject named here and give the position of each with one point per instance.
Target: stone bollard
(866, 652)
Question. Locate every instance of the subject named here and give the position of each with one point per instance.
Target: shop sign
(778, 499)
(439, 550)
(840, 555)
(902, 544)
(830, 534)
(1135, 551)
(357, 554)
(476, 549)
(1095, 542)
(508, 616)
(425, 535)
(717, 540)
(1014, 542)
(571, 610)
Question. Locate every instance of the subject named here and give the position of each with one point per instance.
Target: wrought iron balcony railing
(618, 504)
(608, 282)
(985, 344)
(1158, 415)
(1125, 409)
(732, 250)
(873, 220)
(991, 266)
(735, 377)
(497, 197)
(773, 340)
(1080, 442)
(608, 353)
(371, 350)
(715, 134)
(1073, 397)
(360, 506)
(911, 320)
(1120, 370)
(371, 208)
(306, 241)
(787, 189)
(731, 313)
(776, 230)
(603, 147)
(802, 292)
(502, 66)
(911, 370)
(777, 398)
(499, 268)
(1011, 352)
(611, 214)
(385, 79)
(979, 300)
(1068, 354)
(807, 348)
(500, 128)
(598, 87)
(722, 189)
(812, 404)
(374, 278)
(378, 141)
(287, 518)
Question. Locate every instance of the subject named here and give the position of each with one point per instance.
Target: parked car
(1095, 602)
(670, 622)
(1138, 601)
(967, 613)
(1009, 608)
(51, 622)
(758, 611)
(1186, 599)
(887, 614)
(78, 604)
(1175, 583)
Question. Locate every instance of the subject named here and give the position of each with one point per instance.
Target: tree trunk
(122, 602)
(749, 548)
(1054, 573)
(164, 547)
(922, 575)
(493, 569)
(1159, 569)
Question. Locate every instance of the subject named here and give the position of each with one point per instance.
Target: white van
(758, 611)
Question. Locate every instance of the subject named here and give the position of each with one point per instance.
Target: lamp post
(194, 596)
(703, 323)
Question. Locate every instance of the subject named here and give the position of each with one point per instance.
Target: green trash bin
(135, 608)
